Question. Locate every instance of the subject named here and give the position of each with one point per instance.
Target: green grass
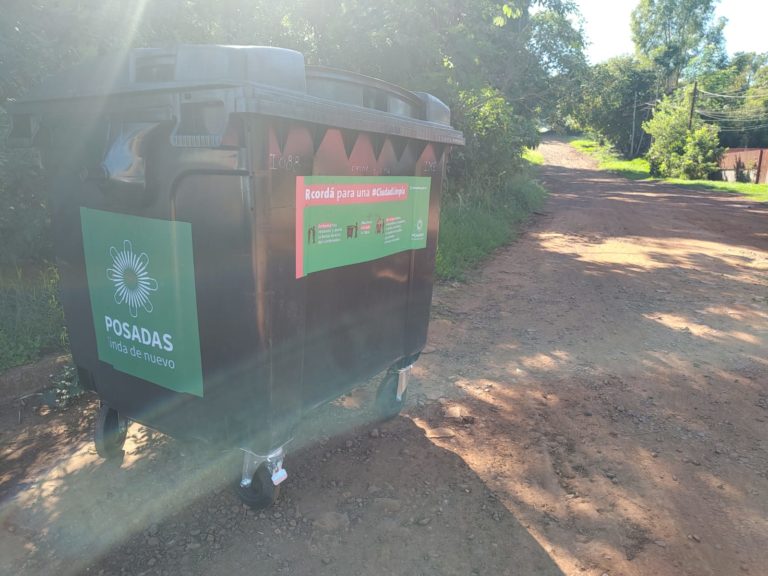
(638, 169)
(31, 318)
(533, 156)
(608, 160)
(757, 192)
(470, 232)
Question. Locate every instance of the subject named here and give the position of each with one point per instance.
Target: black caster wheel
(109, 433)
(262, 493)
(387, 406)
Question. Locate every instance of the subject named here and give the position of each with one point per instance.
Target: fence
(745, 164)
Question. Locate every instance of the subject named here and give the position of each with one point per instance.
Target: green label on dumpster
(141, 279)
(346, 220)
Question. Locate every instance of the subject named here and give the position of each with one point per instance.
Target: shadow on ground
(612, 364)
(368, 500)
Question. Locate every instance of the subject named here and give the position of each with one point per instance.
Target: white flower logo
(129, 274)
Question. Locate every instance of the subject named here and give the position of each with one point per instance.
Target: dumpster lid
(272, 81)
(184, 66)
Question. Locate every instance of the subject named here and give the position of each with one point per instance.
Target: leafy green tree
(495, 135)
(671, 33)
(702, 152)
(678, 151)
(617, 93)
(735, 96)
(668, 129)
(558, 46)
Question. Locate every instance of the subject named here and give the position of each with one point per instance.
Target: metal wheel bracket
(273, 461)
(278, 473)
(403, 377)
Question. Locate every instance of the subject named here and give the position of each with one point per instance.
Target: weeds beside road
(469, 233)
(31, 318)
(639, 169)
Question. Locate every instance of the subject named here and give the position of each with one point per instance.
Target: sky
(607, 26)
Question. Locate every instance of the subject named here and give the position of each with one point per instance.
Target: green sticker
(347, 220)
(141, 279)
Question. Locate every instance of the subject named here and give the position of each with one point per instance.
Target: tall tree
(735, 97)
(671, 33)
(615, 101)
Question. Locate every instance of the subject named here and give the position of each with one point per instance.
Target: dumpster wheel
(390, 398)
(262, 492)
(109, 433)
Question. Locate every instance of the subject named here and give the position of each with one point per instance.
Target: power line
(755, 94)
(732, 117)
(734, 113)
(734, 91)
(744, 129)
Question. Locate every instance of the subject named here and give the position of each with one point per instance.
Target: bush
(496, 135)
(469, 232)
(24, 218)
(676, 151)
(31, 318)
(702, 153)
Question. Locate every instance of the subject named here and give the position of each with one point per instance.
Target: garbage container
(240, 238)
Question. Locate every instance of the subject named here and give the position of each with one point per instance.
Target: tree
(678, 151)
(558, 46)
(670, 33)
(617, 93)
(736, 97)
(702, 152)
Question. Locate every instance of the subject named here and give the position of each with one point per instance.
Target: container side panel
(290, 149)
(233, 355)
(356, 314)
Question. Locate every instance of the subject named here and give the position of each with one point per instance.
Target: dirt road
(593, 401)
(615, 359)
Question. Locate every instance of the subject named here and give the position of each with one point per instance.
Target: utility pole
(632, 138)
(693, 103)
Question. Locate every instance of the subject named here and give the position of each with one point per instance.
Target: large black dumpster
(240, 238)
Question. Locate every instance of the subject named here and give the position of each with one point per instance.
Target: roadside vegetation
(757, 192)
(31, 318)
(533, 156)
(609, 160)
(468, 234)
(679, 102)
(639, 169)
